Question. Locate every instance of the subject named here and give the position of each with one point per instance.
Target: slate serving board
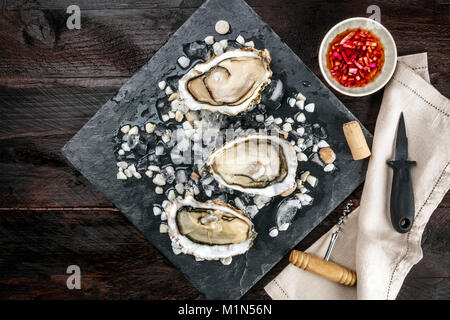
(91, 152)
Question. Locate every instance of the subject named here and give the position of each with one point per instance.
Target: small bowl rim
(324, 70)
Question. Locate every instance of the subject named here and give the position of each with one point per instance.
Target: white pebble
(149, 173)
(159, 190)
(269, 121)
(273, 232)
(240, 39)
(218, 49)
(305, 199)
(128, 173)
(154, 168)
(184, 62)
(329, 167)
(150, 127)
(310, 107)
(165, 117)
(171, 115)
(259, 117)
(222, 27)
(301, 118)
(300, 104)
(315, 148)
(121, 176)
(291, 102)
(287, 127)
(300, 130)
(303, 190)
(323, 144)
(301, 97)
(163, 216)
(159, 180)
(284, 227)
(209, 40)
(122, 164)
(170, 170)
(157, 211)
(121, 152)
(224, 43)
(226, 261)
(278, 121)
(132, 168)
(165, 138)
(300, 141)
(312, 180)
(137, 175)
(179, 116)
(134, 131)
(302, 157)
(168, 91)
(163, 228)
(180, 188)
(125, 129)
(125, 147)
(162, 85)
(171, 195)
(176, 249)
(290, 120)
(304, 176)
(250, 44)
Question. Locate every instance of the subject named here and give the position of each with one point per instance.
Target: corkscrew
(323, 267)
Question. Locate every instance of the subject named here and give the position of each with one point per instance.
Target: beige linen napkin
(368, 243)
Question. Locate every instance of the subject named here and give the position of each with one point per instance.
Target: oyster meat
(211, 230)
(257, 164)
(229, 83)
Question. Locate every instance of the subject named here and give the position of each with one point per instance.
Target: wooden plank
(52, 83)
(111, 43)
(35, 174)
(117, 262)
(106, 50)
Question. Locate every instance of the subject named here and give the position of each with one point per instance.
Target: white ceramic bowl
(390, 52)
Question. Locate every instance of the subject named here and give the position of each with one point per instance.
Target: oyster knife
(402, 196)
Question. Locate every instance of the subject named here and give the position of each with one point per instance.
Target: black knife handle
(402, 197)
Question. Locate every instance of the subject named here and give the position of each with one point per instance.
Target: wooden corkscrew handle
(326, 269)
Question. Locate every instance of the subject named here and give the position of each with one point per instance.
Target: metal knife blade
(401, 148)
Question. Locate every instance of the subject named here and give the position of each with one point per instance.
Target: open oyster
(211, 230)
(229, 83)
(257, 164)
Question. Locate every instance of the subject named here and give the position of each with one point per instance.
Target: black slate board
(91, 152)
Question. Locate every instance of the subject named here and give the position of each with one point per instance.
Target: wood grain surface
(52, 80)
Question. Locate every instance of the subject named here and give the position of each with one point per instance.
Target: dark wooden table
(52, 80)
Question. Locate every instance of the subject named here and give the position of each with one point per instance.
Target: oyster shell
(229, 83)
(211, 230)
(258, 164)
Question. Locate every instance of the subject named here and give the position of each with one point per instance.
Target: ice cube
(286, 212)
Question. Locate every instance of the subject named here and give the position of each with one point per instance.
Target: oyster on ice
(211, 230)
(229, 83)
(258, 164)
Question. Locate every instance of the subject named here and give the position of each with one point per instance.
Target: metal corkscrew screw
(335, 234)
(322, 267)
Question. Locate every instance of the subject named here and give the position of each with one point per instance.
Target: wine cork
(326, 269)
(356, 140)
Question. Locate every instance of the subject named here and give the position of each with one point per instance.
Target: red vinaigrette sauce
(355, 57)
